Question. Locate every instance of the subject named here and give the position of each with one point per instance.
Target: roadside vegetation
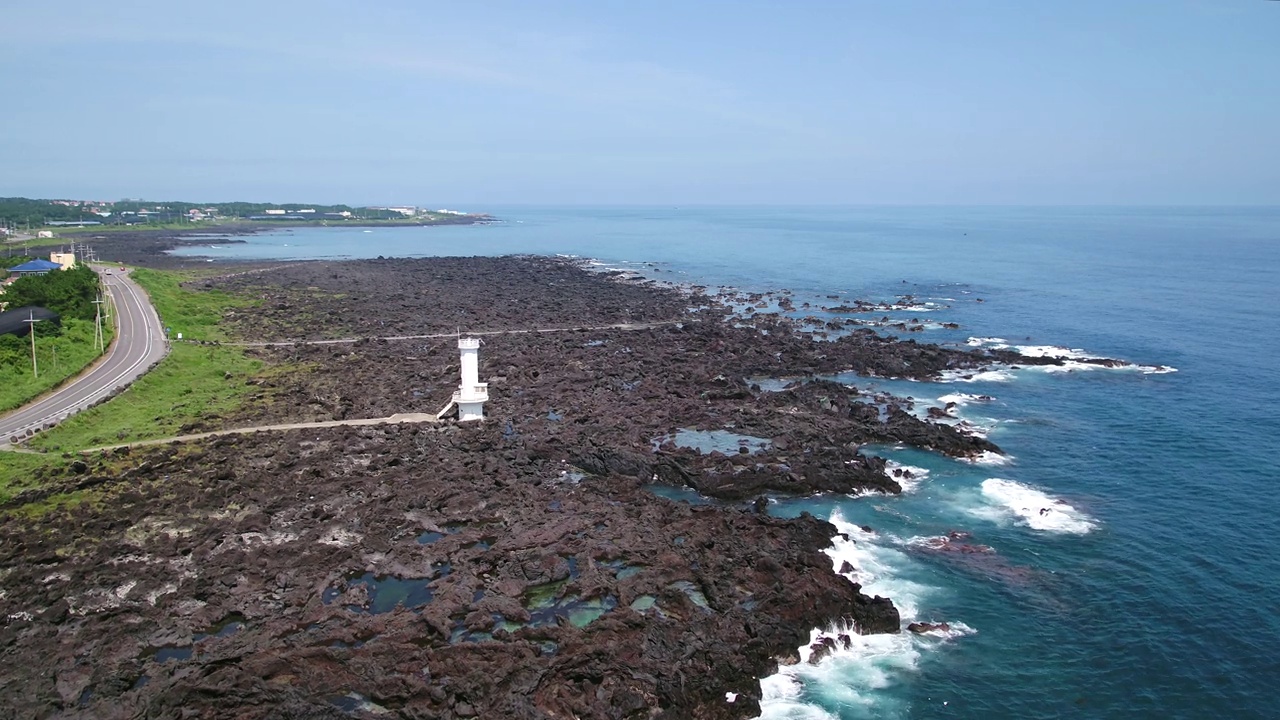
(189, 391)
(192, 389)
(197, 314)
(59, 356)
(62, 349)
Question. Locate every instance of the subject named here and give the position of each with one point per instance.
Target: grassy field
(41, 245)
(57, 358)
(194, 313)
(24, 471)
(73, 230)
(195, 383)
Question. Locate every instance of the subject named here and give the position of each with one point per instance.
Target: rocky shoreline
(151, 248)
(522, 567)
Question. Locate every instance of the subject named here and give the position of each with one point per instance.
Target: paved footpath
(397, 419)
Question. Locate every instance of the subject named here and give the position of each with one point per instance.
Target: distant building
(307, 210)
(34, 267)
(403, 210)
(273, 212)
(65, 260)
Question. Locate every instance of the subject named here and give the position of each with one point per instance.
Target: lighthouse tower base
(470, 411)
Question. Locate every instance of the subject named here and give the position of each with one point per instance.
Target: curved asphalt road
(139, 344)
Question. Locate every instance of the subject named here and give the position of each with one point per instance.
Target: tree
(70, 293)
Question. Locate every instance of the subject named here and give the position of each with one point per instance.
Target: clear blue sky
(597, 102)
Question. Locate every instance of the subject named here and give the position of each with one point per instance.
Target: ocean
(1121, 558)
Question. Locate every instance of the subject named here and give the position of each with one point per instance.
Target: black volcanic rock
(536, 576)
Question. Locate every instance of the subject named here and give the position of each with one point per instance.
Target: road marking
(131, 310)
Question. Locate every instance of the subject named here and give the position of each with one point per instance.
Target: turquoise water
(1148, 588)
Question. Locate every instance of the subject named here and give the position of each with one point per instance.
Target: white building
(472, 394)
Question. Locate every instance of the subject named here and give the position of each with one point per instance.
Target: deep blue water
(1150, 588)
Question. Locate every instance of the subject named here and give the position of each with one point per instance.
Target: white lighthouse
(472, 393)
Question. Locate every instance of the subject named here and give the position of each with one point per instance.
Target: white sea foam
(909, 484)
(969, 376)
(1075, 354)
(1049, 351)
(987, 457)
(1074, 359)
(963, 399)
(859, 665)
(1070, 365)
(973, 426)
(1031, 507)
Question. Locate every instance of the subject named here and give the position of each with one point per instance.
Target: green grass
(43, 244)
(194, 313)
(189, 385)
(57, 358)
(193, 383)
(141, 227)
(24, 471)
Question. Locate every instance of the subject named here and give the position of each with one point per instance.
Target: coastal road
(139, 344)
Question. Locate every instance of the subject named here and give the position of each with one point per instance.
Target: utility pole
(97, 337)
(31, 330)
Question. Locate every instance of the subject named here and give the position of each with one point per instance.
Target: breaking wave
(858, 666)
(1025, 505)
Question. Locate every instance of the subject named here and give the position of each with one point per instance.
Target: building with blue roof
(35, 267)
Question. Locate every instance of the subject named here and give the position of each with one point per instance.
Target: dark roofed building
(14, 322)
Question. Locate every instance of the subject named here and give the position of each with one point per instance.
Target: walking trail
(397, 419)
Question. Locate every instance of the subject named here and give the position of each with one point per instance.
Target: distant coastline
(20, 216)
(249, 227)
(150, 245)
